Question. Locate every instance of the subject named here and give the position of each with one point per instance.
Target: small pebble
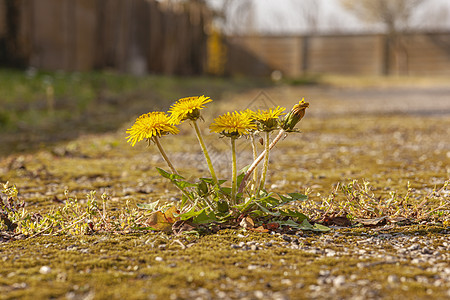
(45, 270)
(393, 278)
(339, 281)
(286, 238)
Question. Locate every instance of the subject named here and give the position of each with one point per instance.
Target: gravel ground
(366, 251)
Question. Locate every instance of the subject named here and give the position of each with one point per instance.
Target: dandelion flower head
(153, 124)
(233, 124)
(187, 108)
(268, 118)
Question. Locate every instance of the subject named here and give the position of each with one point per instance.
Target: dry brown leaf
(163, 221)
(259, 229)
(247, 223)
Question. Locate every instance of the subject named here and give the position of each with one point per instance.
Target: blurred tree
(395, 16)
(308, 14)
(236, 16)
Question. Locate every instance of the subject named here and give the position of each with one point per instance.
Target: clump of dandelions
(207, 200)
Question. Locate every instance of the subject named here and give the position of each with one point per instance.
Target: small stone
(413, 247)
(158, 258)
(286, 238)
(286, 281)
(259, 294)
(268, 244)
(45, 270)
(19, 285)
(426, 250)
(234, 246)
(339, 281)
(393, 278)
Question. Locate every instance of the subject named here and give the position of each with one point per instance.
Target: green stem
(234, 171)
(164, 155)
(255, 163)
(266, 163)
(255, 155)
(205, 151)
(169, 163)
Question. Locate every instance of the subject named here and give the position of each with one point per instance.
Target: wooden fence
(371, 54)
(134, 36)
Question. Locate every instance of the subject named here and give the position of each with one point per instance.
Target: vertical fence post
(305, 53)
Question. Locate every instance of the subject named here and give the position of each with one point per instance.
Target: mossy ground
(389, 136)
(150, 265)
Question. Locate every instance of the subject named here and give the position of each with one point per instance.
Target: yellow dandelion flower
(153, 124)
(187, 108)
(268, 118)
(233, 124)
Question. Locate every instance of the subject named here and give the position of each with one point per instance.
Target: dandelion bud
(294, 116)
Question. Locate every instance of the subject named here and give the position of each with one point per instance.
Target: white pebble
(45, 270)
(339, 281)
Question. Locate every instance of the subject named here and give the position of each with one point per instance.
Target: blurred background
(228, 37)
(69, 67)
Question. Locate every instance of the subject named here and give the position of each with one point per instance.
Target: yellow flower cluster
(157, 124)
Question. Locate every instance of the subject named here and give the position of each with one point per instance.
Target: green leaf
(149, 206)
(181, 184)
(267, 211)
(190, 214)
(202, 188)
(222, 207)
(198, 216)
(163, 173)
(241, 175)
(268, 201)
(298, 196)
(293, 214)
(291, 198)
(226, 190)
(168, 175)
(211, 181)
(204, 217)
(321, 228)
(305, 225)
(290, 223)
